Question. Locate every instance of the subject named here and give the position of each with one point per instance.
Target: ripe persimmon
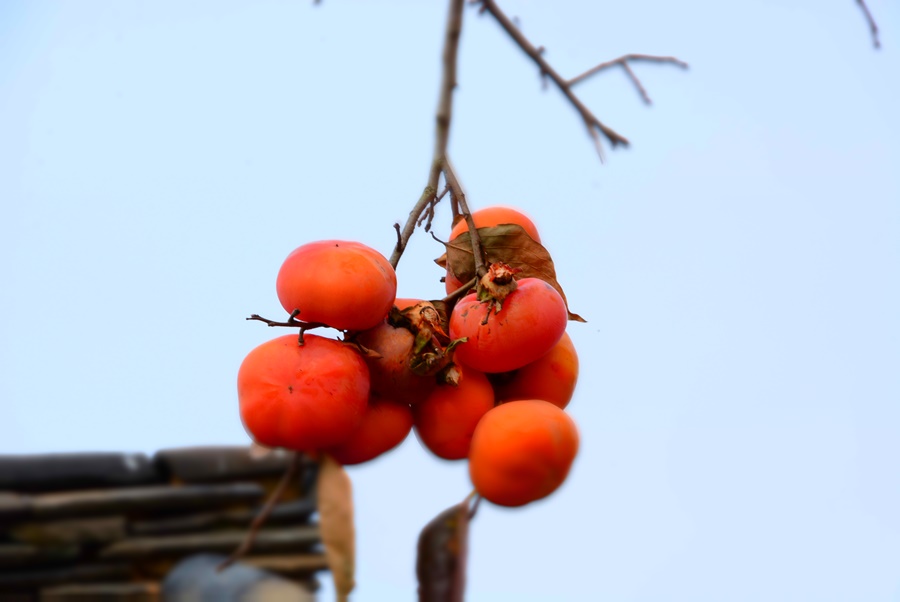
(304, 398)
(551, 377)
(391, 374)
(345, 285)
(384, 426)
(496, 216)
(521, 452)
(446, 419)
(530, 322)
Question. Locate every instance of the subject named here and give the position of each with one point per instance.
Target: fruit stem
(291, 322)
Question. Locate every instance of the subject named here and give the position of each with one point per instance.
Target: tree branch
(459, 196)
(871, 20)
(591, 122)
(442, 127)
(623, 61)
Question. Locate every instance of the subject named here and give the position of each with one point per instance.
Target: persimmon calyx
(431, 362)
(496, 285)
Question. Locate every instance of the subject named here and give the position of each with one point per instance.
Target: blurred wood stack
(111, 527)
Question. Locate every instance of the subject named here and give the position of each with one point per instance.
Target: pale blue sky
(739, 266)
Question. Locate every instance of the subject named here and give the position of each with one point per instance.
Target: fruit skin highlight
(522, 451)
(343, 284)
(531, 321)
(305, 398)
(551, 377)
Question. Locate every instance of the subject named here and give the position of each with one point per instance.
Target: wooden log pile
(113, 527)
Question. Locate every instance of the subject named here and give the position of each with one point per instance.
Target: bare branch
(871, 20)
(457, 193)
(591, 122)
(442, 129)
(289, 475)
(291, 322)
(460, 292)
(623, 61)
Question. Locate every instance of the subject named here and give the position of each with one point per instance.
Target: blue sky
(739, 403)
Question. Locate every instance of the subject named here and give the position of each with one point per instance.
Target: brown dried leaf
(334, 499)
(509, 244)
(441, 559)
(444, 315)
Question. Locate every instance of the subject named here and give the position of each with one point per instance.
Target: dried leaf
(509, 244)
(441, 559)
(444, 315)
(334, 498)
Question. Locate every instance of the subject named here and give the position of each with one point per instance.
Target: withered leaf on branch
(334, 498)
(441, 559)
(509, 244)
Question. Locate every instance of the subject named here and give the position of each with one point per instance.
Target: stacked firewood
(108, 526)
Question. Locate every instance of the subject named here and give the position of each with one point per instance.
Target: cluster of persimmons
(486, 378)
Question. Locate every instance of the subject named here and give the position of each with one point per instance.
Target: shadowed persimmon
(551, 377)
(384, 426)
(446, 419)
(391, 373)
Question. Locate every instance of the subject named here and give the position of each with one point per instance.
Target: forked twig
(594, 126)
(873, 27)
(291, 322)
(623, 61)
(461, 291)
(260, 519)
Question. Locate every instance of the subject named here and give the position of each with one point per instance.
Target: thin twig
(460, 292)
(427, 216)
(290, 323)
(871, 20)
(457, 193)
(591, 122)
(289, 475)
(623, 61)
(406, 233)
(442, 127)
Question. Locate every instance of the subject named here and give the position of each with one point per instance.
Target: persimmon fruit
(343, 284)
(496, 216)
(446, 419)
(551, 377)
(384, 426)
(522, 451)
(530, 322)
(391, 374)
(304, 398)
